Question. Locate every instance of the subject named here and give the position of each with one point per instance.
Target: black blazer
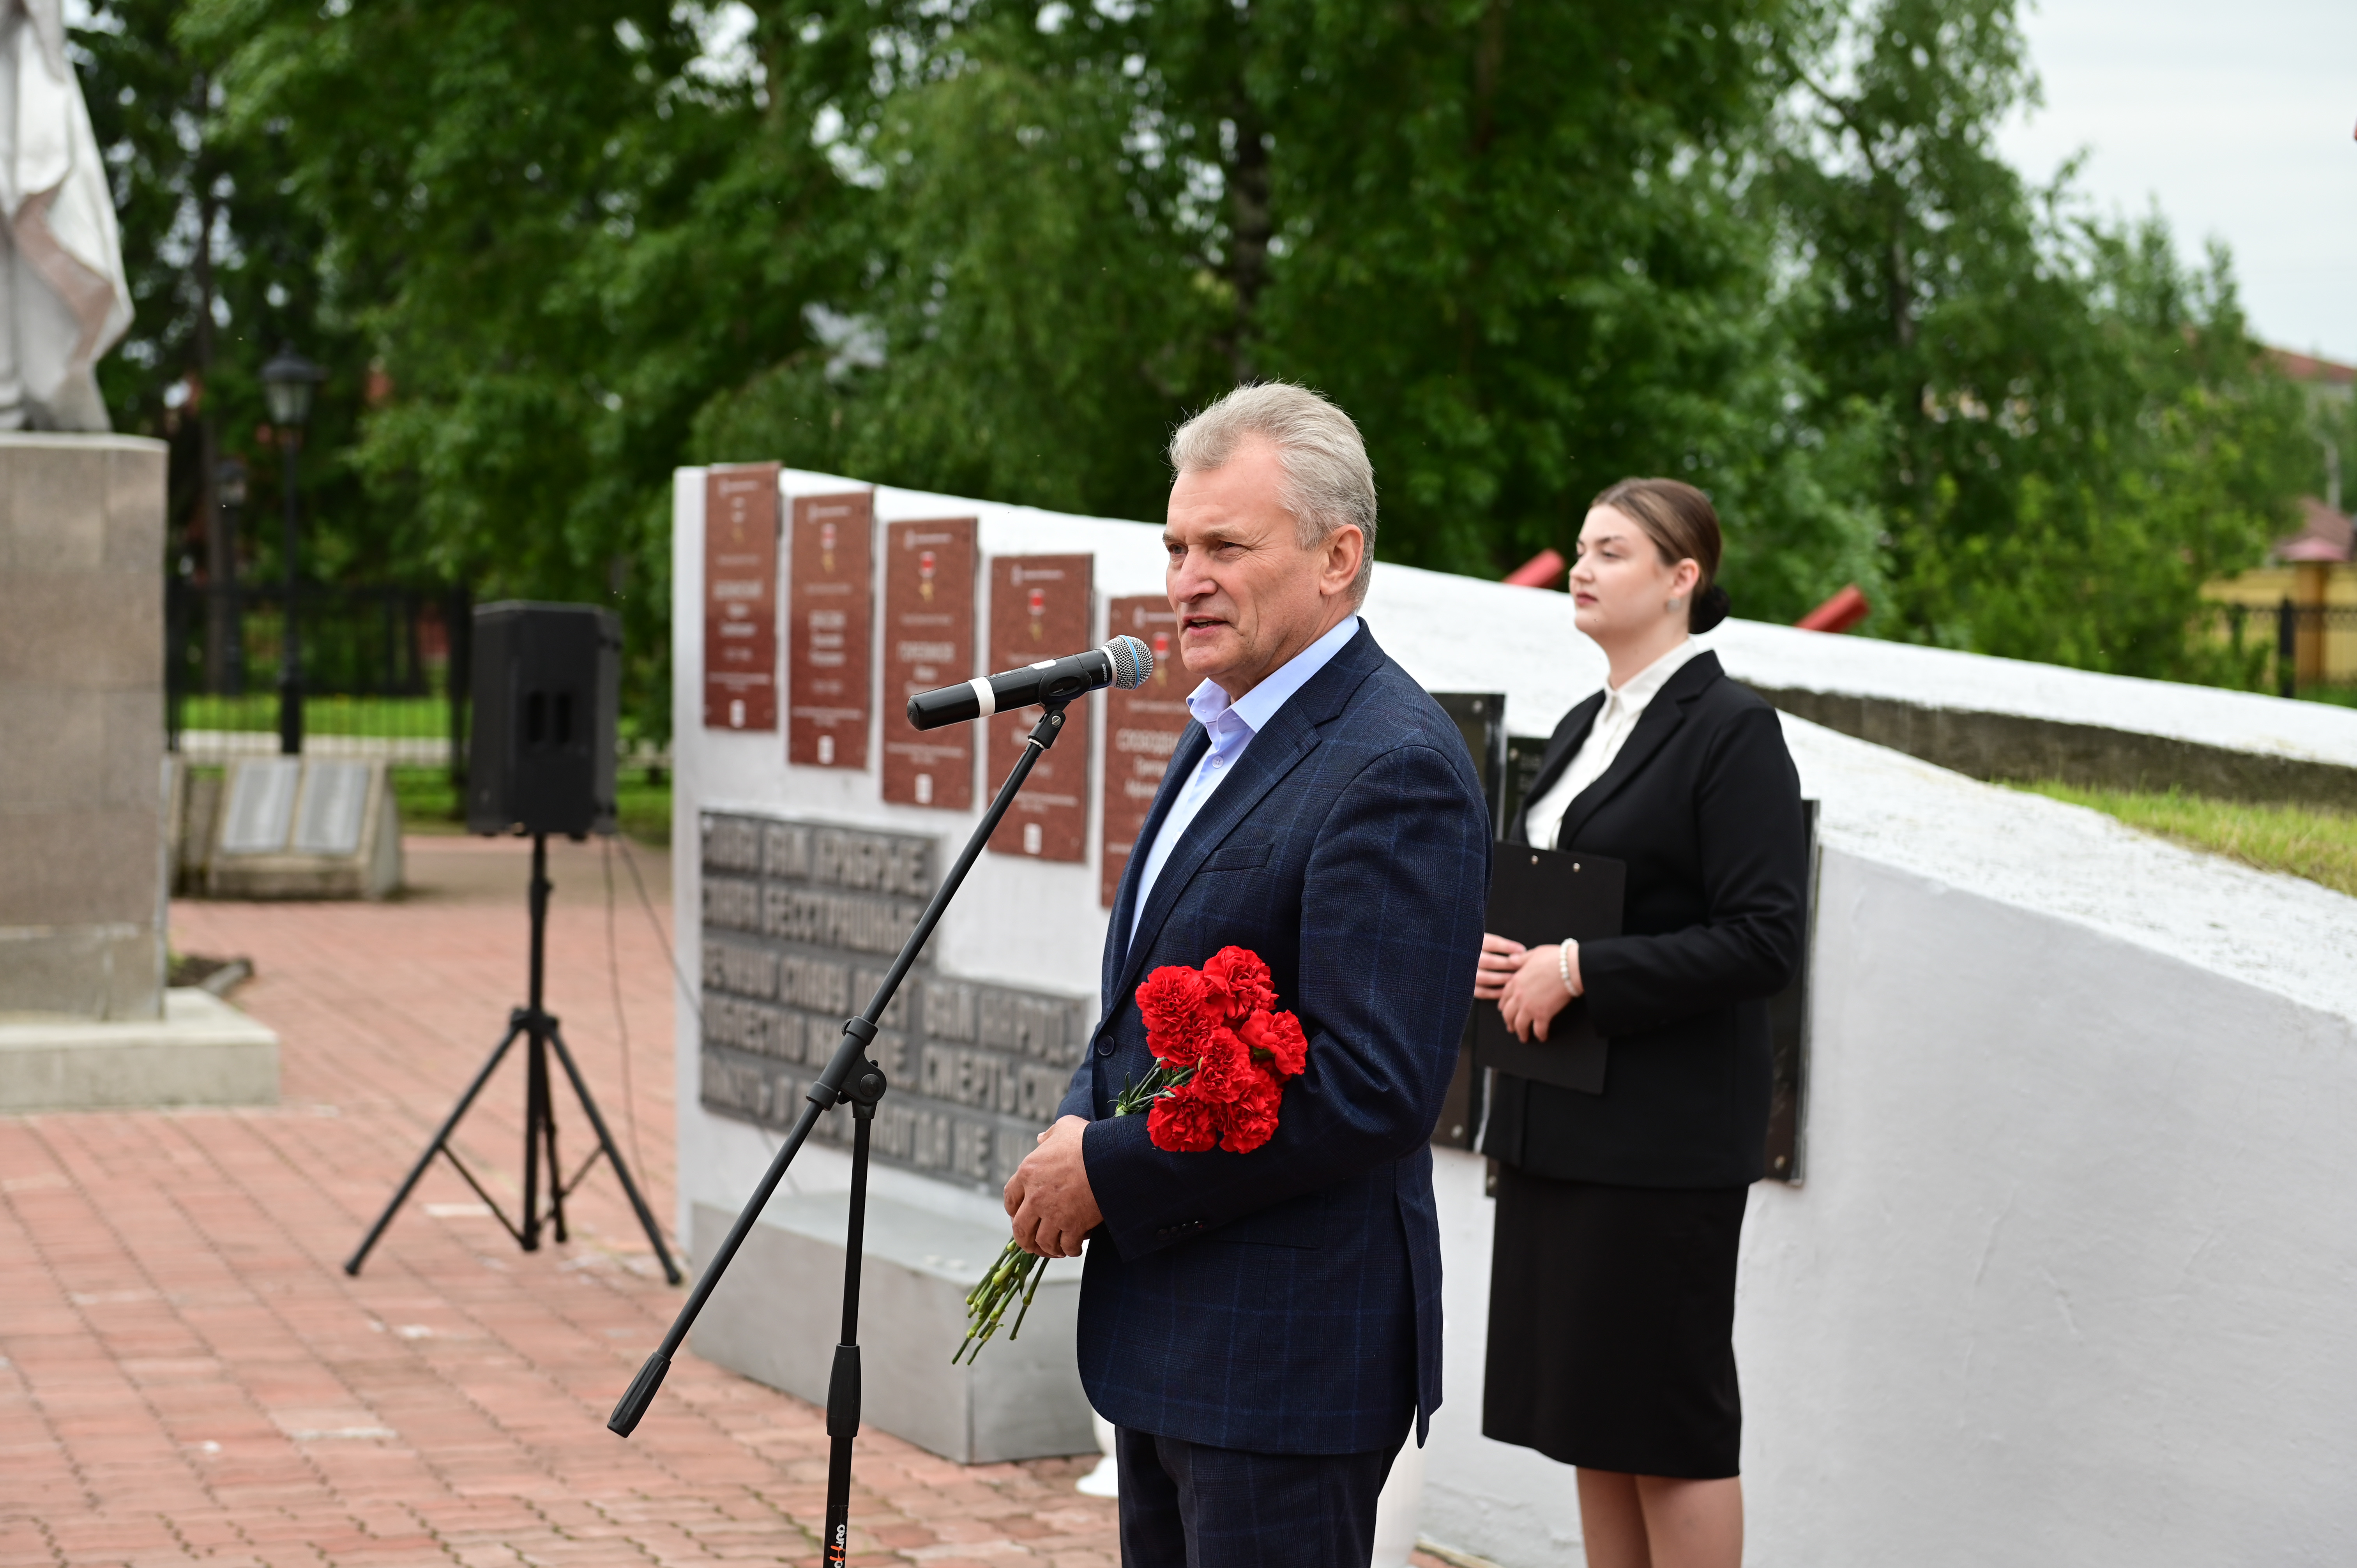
(1704, 805)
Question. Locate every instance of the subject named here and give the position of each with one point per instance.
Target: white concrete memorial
(2067, 1281)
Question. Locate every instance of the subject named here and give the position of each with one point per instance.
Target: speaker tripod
(537, 1027)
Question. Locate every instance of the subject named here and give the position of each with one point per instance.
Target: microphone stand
(849, 1076)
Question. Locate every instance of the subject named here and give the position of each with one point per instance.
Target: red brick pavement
(189, 1376)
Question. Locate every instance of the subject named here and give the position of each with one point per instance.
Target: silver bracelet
(1563, 967)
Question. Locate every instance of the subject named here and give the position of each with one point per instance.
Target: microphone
(1124, 662)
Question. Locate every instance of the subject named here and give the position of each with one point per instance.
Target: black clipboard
(1544, 896)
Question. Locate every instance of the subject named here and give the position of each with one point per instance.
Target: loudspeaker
(547, 690)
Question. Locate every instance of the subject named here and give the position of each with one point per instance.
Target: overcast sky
(2239, 117)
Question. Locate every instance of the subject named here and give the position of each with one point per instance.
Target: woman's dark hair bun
(1709, 607)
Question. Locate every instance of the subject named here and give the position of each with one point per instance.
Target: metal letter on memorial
(800, 919)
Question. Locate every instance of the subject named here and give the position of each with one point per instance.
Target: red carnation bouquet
(1223, 1056)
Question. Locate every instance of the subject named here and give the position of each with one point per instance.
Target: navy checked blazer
(1288, 1300)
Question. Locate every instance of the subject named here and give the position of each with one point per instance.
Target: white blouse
(1623, 709)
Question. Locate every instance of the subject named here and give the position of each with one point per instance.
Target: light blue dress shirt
(1231, 726)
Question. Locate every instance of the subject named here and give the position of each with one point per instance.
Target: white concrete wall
(2070, 1279)
(1783, 658)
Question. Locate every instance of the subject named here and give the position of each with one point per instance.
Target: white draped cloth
(64, 300)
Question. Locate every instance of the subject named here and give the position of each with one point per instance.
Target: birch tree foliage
(552, 251)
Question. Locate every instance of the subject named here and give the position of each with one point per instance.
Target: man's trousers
(1186, 1505)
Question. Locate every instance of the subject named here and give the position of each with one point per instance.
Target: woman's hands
(1501, 955)
(1526, 982)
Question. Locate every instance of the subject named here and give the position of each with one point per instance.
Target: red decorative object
(1545, 570)
(1840, 613)
(1223, 1054)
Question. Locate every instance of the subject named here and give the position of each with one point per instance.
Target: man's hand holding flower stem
(1049, 1197)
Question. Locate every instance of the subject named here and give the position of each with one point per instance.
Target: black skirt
(1612, 1325)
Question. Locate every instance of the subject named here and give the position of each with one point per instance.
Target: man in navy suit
(1261, 1327)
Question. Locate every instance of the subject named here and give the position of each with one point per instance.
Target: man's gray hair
(1327, 480)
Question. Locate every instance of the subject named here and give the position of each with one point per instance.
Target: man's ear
(1346, 547)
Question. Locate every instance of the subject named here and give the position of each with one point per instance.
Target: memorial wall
(829, 819)
(2068, 1278)
(800, 921)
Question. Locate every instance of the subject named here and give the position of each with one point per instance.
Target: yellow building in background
(2314, 571)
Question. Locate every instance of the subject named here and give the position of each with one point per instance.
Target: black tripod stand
(849, 1076)
(538, 1027)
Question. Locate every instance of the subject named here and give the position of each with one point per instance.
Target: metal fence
(384, 671)
(2297, 647)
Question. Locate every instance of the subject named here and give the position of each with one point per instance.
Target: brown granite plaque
(829, 686)
(740, 597)
(1142, 729)
(1039, 609)
(928, 642)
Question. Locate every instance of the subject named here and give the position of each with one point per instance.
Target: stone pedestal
(82, 725)
(201, 1051)
(778, 1311)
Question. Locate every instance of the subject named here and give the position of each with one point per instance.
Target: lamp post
(287, 381)
(229, 497)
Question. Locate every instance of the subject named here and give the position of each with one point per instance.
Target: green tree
(218, 256)
(999, 248)
(1518, 244)
(2080, 430)
(556, 227)
(1021, 326)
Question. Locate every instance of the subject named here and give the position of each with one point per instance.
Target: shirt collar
(1640, 688)
(1209, 703)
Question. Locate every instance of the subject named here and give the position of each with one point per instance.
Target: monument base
(93, 970)
(776, 1317)
(202, 1051)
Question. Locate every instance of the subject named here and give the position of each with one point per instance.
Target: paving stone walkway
(187, 1375)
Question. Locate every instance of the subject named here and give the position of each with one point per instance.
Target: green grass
(429, 804)
(643, 806)
(2305, 840)
(381, 716)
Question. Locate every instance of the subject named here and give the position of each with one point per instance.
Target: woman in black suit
(1612, 1285)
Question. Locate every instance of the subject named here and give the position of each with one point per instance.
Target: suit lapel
(1291, 735)
(1660, 718)
(1568, 736)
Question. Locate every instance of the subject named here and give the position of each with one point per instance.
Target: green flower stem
(1016, 1275)
(986, 1302)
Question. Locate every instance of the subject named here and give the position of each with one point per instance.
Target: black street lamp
(229, 496)
(287, 381)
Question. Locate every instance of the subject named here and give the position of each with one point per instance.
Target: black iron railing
(2294, 647)
(384, 667)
